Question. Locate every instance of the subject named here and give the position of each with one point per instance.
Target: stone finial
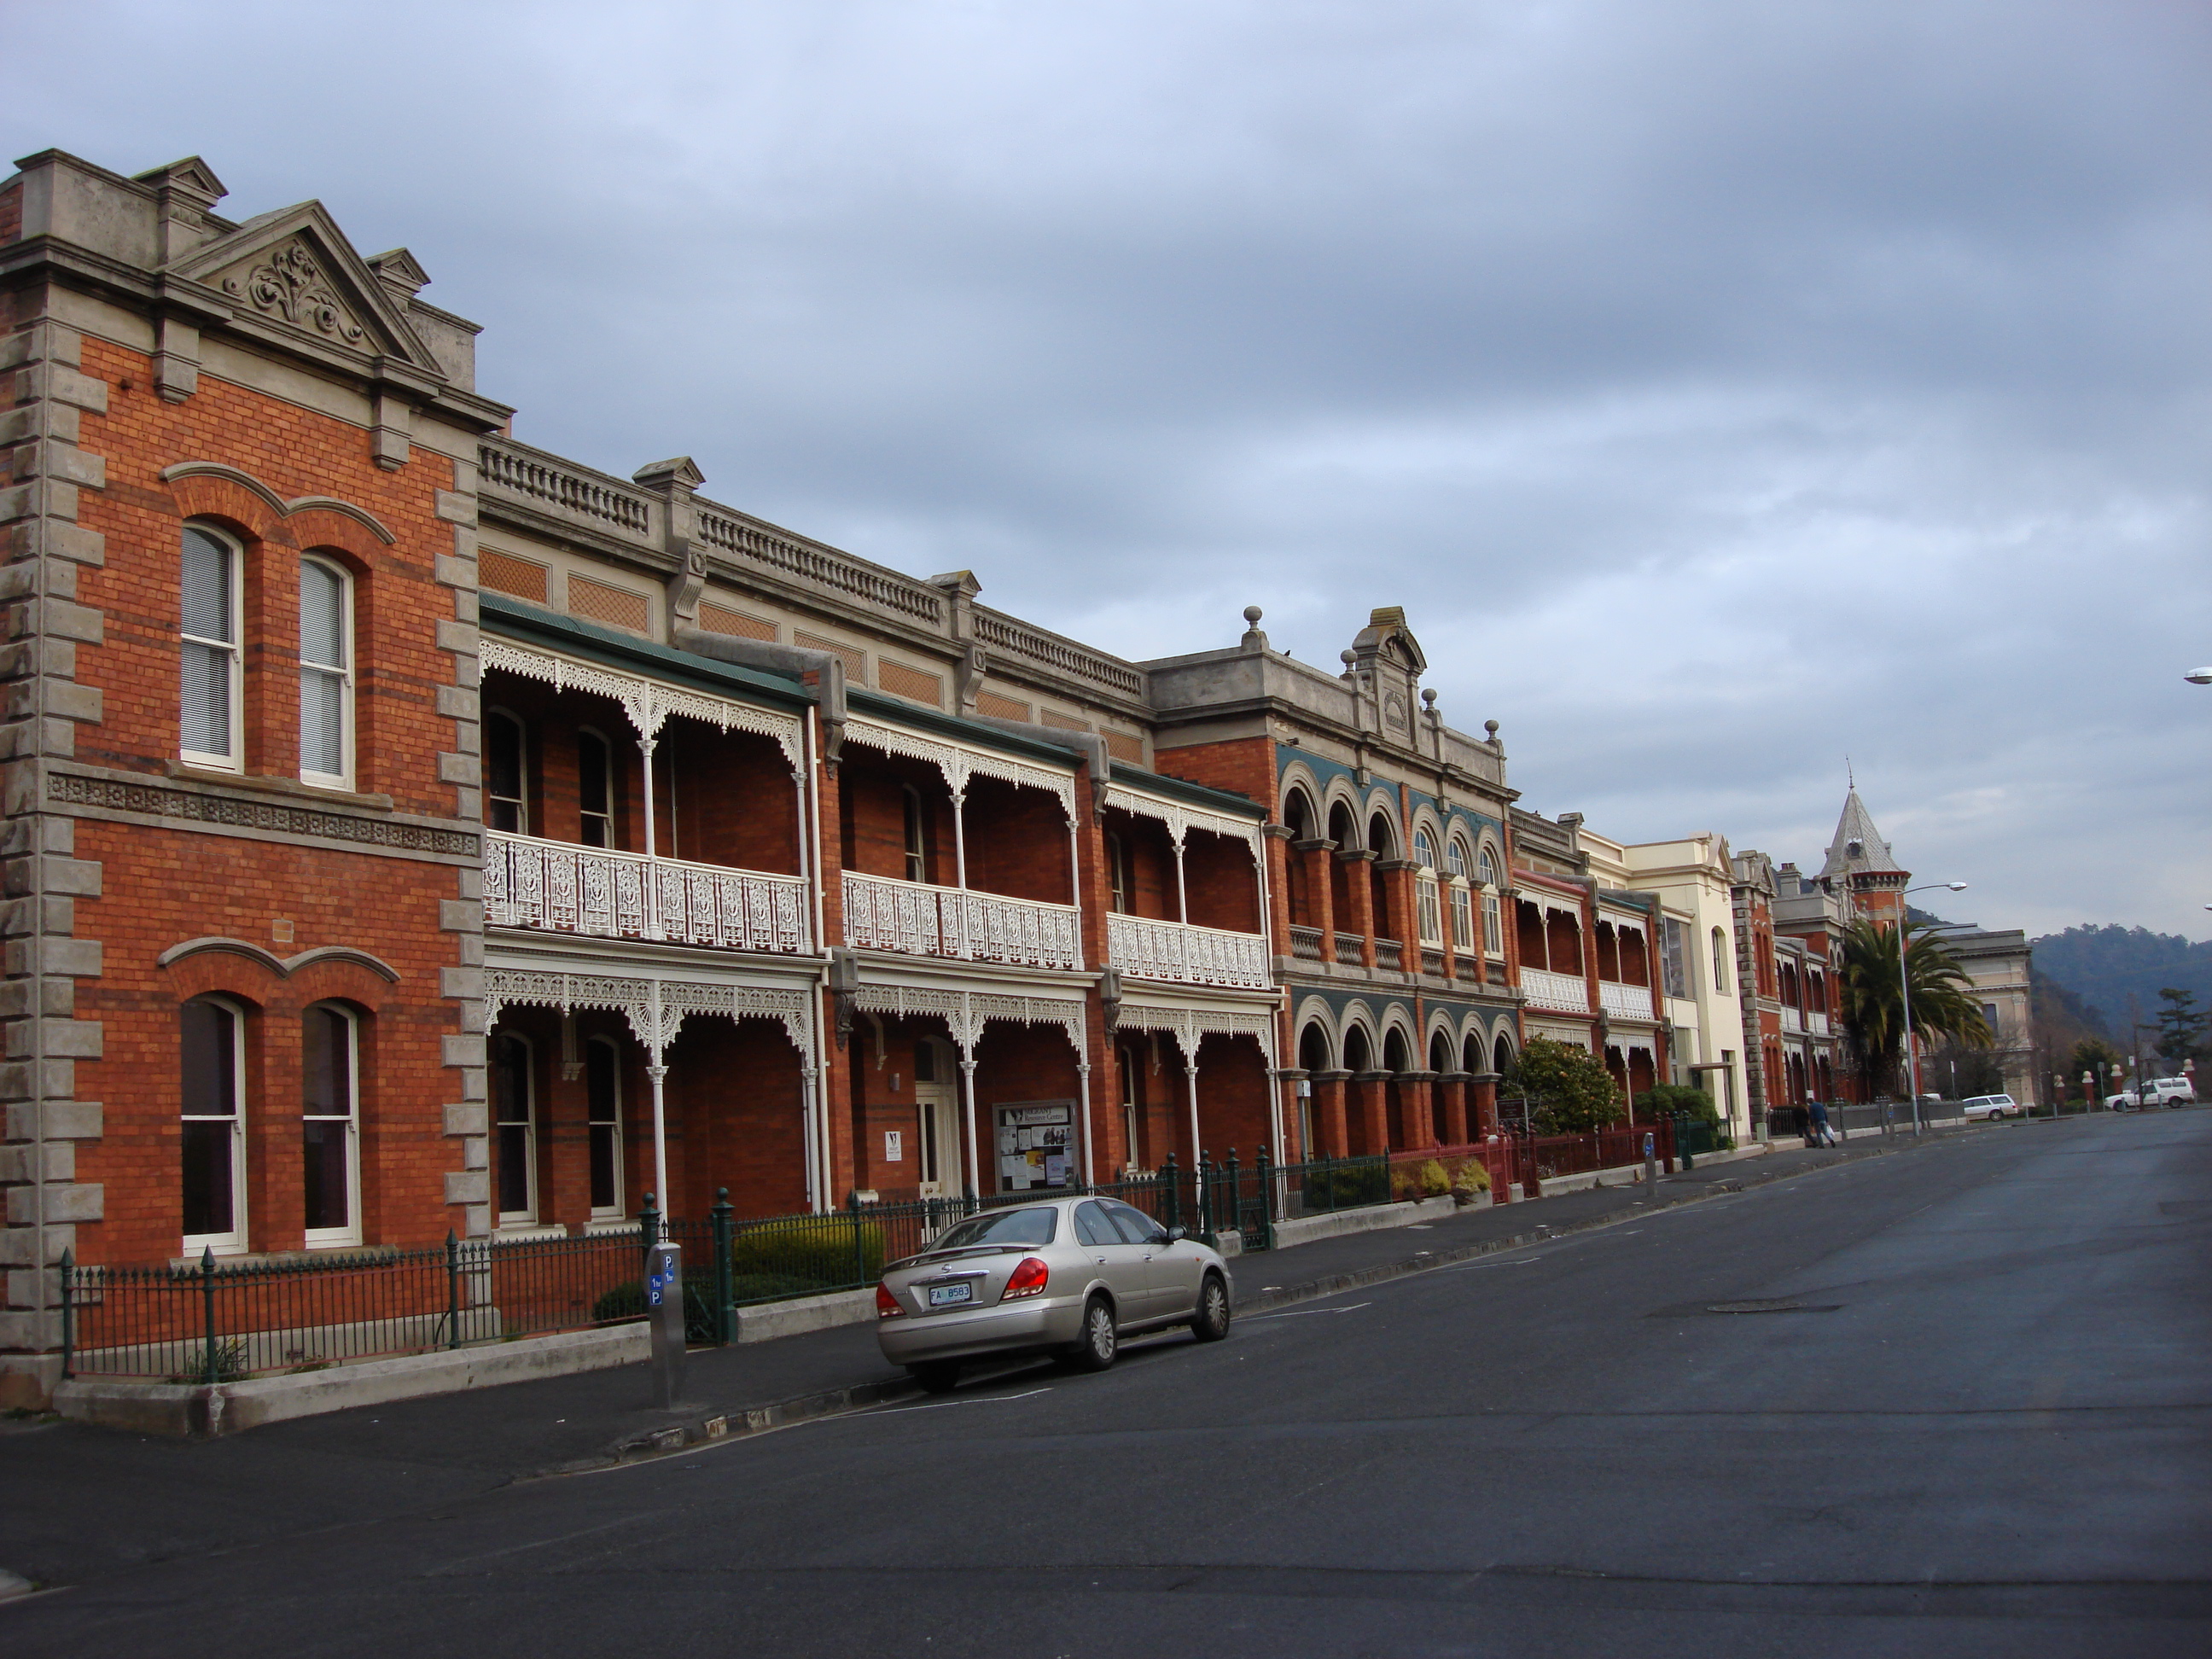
(1350, 659)
(401, 273)
(1253, 640)
(1429, 698)
(1490, 727)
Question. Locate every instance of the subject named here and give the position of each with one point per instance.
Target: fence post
(1206, 1183)
(859, 1256)
(1688, 1156)
(1174, 1204)
(724, 1290)
(1265, 1176)
(69, 1307)
(1235, 1186)
(207, 1305)
(453, 1290)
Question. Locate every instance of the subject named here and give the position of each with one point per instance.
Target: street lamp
(1904, 989)
(2199, 676)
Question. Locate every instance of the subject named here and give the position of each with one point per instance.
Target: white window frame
(508, 1219)
(617, 1211)
(342, 672)
(232, 1243)
(1462, 917)
(521, 798)
(1119, 897)
(233, 759)
(1493, 909)
(1722, 977)
(914, 833)
(323, 1238)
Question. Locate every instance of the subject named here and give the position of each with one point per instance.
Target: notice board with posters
(1034, 1145)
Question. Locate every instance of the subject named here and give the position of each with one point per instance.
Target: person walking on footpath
(1821, 1134)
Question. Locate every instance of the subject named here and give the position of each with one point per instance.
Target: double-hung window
(213, 1041)
(1493, 918)
(325, 674)
(515, 1125)
(329, 1121)
(595, 789)
(507, 799)
(603, 1107)
(916, 867)
(1428, 915)
(1462, 902)
(210, 734)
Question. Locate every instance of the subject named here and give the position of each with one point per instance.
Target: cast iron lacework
(1188, 1025)
(966, 1013)
(656, 1008)
(645, 702)
(958, 764)
(1180, 820)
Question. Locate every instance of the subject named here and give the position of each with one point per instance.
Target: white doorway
(936, 1109)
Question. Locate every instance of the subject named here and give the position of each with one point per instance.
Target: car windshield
(1001, 1227)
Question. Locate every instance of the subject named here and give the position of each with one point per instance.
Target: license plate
(946, 1296)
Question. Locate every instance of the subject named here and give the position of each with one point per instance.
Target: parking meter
(664, 1315)
(1650, 1161)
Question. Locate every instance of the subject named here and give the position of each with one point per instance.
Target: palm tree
(1942, 999)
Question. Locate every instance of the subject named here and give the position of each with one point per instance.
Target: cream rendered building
(1698, 958)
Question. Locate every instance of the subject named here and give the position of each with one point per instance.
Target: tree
(2087, 1056)
(1942, 999)
(2180, 1027)
(1569, 1090)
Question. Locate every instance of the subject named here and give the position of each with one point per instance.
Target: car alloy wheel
(1211, 1323)
(1101, 1342)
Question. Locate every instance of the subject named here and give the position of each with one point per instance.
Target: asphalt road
(1983, 1430)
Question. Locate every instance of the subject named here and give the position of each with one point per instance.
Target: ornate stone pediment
(296, 270)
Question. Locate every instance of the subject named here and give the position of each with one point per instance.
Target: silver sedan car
(1069, 1277)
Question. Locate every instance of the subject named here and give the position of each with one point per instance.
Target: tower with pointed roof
(1861, 868)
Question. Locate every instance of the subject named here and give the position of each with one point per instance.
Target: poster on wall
(1036, 1144)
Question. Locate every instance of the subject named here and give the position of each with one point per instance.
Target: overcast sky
(1722, 389)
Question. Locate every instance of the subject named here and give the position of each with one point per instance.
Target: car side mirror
(1174, 1235)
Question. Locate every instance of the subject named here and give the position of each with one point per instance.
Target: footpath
(77, 1501)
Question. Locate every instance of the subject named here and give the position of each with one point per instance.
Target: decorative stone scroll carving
(966, 1013)
(958, 763)
(646, 703)
(291, 285)
(656, 1008)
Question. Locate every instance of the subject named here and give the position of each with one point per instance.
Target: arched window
(330, 1124)
(515, 1122)
(603, 1114)
(1493, 915)
(325, 674)
(1721, 974)
(595, 789)
(209, 732)
(506, 791)
(212, 1046)
(1462, 904)
(1428, 915)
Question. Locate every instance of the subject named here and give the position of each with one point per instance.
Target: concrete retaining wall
(202, 1411)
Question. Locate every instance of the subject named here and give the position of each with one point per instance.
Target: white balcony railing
(1817, 1024)
(1564, 992)
(567, 888)
(1194, 956)
(1790, 1022)
(1625, 1001)
(919, 920)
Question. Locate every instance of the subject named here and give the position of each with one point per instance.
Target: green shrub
(1472, 1177)
(1669, 1098)
(814, 1250)
(1434, 1183)
(1347, 1188)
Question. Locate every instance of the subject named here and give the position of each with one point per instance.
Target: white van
(2159, 1092)
(1983, 1108)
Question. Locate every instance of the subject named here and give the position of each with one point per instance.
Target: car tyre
(1211, 1323)
(936, 1375)
(1100, 1342)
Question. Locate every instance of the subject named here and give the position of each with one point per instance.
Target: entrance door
(937, 1104)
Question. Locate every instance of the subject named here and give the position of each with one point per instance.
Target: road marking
(1308, 1313)
(980, 1400)
(1525, 1262)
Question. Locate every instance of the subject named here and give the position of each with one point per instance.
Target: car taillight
(887, 1305)
(1029, 1279)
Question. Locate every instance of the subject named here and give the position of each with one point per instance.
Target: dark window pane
(210, 1060)
(504, 756)
(208, 1178)
(592, 773)
(1134, 1225)
(601, 1072)
(1093, 1227)
(925, 1063)
(514, 1168)
(603, 1196)
(511, 1079)
(326, 1064)
(599, 1081)
(322, 1174)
